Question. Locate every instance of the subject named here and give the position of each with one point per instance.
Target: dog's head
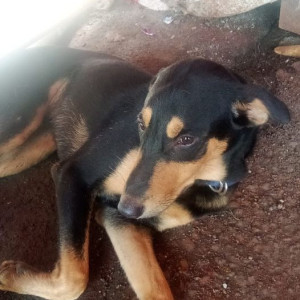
(198, 122)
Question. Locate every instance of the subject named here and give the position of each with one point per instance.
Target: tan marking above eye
(256, 111)
(147, 115)
(174, 127)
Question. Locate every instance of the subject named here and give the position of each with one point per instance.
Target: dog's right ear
(256, 106)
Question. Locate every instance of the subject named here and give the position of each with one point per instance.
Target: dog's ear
(256, 106)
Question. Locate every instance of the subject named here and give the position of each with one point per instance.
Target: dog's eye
(185, 140)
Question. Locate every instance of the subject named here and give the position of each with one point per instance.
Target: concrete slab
(290, 15)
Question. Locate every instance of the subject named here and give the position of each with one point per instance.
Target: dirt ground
(249, 251)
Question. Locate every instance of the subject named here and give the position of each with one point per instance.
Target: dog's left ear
(256, 106)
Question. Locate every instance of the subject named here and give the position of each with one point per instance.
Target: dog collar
(219, 187)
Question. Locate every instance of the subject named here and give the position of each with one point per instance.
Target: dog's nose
(130, 207)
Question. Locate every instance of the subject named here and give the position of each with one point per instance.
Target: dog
(149, 152)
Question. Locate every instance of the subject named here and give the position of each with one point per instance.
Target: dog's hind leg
(36, 148)
(70, 275)
(133, 246)
(24, 146)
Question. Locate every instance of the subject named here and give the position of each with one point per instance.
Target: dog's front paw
(60, 284)
(12, 273)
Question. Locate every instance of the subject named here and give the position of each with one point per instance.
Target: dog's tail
(30, 82)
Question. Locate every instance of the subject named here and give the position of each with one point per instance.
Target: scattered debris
(147, 31)
(288, 50)
(114, 37)
(104, 4)
(168, 20)
(154, 4)
(184, 265)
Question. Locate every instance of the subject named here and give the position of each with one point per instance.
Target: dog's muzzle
(130, 207)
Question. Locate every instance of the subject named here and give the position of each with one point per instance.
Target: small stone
(252, 188)
(282, 75)
(296, 66)
(224, 286)
(204, 280)
(192, 294)
(206, 9)
(184, 265)
(272, 208)
(251, 279)
(114, 37)
(265, 186)
(293, 144)
(215, 248)
(168, 20)
(187, 244)
(154, 4)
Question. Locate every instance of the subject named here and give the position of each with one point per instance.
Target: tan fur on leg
(66, 282)
(133, 246)
(21, 138)
(175, 215)
(35, 149)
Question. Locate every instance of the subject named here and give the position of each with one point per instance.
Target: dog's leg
(175, 215)
(133, 246)
(34, 150)
(69, 278)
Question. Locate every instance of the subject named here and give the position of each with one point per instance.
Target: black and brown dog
(153, 152)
